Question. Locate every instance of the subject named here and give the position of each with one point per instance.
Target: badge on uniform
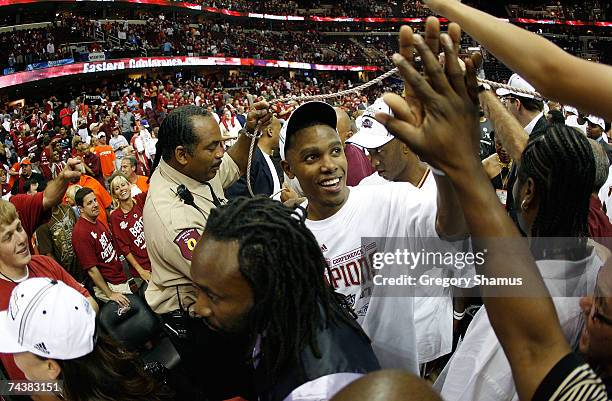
(187, 241)
(502, 194)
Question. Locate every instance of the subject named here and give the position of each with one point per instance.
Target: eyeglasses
(507, 99)
(595, 315)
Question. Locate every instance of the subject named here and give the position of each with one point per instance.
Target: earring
(523, 204)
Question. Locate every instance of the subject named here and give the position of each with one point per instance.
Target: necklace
(13, 281)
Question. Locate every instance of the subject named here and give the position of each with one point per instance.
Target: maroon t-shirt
(39, 266)
(128, 232)
(45, 164)
(359, 166)
(93, 246)
(30, 211)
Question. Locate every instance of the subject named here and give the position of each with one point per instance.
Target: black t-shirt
(571, 379)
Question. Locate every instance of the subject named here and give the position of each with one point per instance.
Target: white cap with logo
(370, 133)
(49, 319)
(518, 82)
(597, 121)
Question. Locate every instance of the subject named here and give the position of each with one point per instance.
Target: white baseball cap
(518, 82)
(370, 133)
(570, 109)
(49, 319)
(597, 121)
(308, 112)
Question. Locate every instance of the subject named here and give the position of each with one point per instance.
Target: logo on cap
(42, 348)
(367, 123)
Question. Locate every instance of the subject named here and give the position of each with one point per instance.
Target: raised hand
(258, 117)
(450, 124)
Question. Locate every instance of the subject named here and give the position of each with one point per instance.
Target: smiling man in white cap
(526, 108)
(339, 217)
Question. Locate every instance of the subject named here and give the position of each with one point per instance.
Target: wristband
(458, 315)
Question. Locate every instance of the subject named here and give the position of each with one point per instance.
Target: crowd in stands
(125, 207)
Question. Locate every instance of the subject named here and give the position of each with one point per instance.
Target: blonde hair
(118, 180)
(71, 192)
(8, 213)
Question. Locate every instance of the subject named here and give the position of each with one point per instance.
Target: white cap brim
(369, 141)
(8, 340)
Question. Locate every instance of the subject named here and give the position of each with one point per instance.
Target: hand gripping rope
(494, 85)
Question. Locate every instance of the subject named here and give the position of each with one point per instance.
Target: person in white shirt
(340, 217)
(230, 127)
(118, 143)
(571, 119)
(395, 162)
(557, 165)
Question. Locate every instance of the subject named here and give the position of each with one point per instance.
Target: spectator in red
(359, 166)
(45, 159)
(90, 160)
(26, 174)
(93, 245)
(17, 264)
(127, 228)
(66, 116)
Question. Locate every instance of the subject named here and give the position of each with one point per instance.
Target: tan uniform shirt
(173, 228)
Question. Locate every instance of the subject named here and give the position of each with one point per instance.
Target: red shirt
(39, 266)
(600, 228)
(30, 211)
(20, 146)
(128, 232)
(93, 245)
(45, 163)
(66, 117)
(359, 166)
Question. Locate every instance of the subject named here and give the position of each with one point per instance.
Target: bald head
(344, 124)
(388, 385)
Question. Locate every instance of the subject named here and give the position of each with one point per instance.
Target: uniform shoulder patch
(186, 241)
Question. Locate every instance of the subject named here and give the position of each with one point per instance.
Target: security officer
(192, 170)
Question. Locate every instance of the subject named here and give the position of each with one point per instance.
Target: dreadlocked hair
(282, 261)
(561, 163)
(177, 130)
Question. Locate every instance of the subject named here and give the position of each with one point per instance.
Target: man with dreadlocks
(191, 170)
(259, 271)
(554, 184)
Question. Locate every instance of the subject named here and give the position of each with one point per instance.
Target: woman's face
(122, 191)
(35, 368)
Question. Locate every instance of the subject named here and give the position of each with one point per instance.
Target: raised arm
(53, 194)
(553, 72)
(240, 151)
(523, 317)
(507, 128)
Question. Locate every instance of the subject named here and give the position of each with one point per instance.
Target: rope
(494, 85)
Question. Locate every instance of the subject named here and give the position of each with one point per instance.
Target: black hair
(28, 185)
(290, 139)
(282, 261)
(530, 104)
(556, 117)
(81, 194)
(561, 163)
(109, 372)
(177, 130)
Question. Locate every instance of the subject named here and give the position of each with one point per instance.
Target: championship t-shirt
(93, 245)
(39, 266)
(374, 213)
(129, 235)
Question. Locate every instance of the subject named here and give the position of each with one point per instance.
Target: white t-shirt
(433, 315)
(479, 369)
(390, 210)
(605, 193)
